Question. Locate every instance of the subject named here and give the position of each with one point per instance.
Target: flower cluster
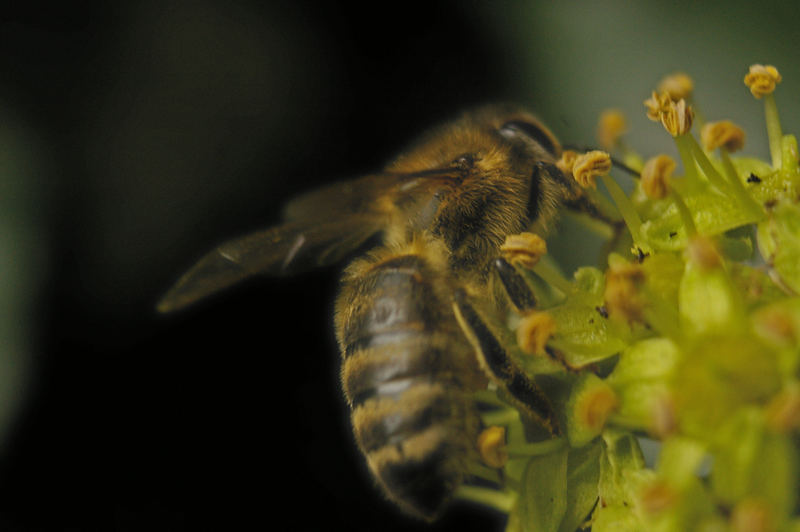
(690, 337)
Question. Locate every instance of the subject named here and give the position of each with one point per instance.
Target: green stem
(499, 500)
(705, 164)
(486, 473)
(662, 316)
(774, 131)
(745, 200)
(626, 208)
(685, 214)
(552, 276)
(684, 146)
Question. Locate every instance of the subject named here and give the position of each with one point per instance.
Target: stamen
(656, 175)
(534, 330)
(524, 249)
(761, 80)
(492, 446)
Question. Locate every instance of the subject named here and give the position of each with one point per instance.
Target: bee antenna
(616, 162)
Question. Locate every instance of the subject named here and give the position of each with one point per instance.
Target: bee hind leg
(515, 286)
(501, 369)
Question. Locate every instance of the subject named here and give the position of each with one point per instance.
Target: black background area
(228, 415)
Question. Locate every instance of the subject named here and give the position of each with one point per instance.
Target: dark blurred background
(136, 136)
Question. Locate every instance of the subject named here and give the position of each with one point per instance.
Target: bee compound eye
(516, 128)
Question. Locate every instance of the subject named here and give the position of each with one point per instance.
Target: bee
(411, 315)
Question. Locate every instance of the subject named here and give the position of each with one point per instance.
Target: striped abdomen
(407, 374)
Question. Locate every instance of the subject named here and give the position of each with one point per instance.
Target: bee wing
(293, 247)
(368, 194)
(320, 228)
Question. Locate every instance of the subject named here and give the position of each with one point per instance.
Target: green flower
(691, 337)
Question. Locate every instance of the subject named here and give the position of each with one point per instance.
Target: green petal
(779, 242)
(712, 213)
(709, 302)
(543, 497)
(752, 461)
(579, 432)
(583, 476)
(719, 376)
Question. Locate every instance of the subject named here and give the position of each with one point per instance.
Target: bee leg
(515, 286)
(502, 369)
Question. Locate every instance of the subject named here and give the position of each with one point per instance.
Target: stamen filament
(684, 146)
(626, 209)
(486, 473)
(738, 190)
(685, 214)
(552, 276)
(499, 500)
(705, 164)
(774, 131)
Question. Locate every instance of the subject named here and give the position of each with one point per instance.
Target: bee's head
(496, 176)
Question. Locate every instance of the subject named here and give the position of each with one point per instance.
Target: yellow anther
(567, 161)
(752, 515)
(589, 166)
(723, 133)
(657, 497)
(656, 105)
(622, 292)
(534, 330)
(783, 412)
(702, 252)
(663, 422)
(676, 117)
(656, 174)
(761, 79)
(595, 406)
(492, 446)
(523, 249)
